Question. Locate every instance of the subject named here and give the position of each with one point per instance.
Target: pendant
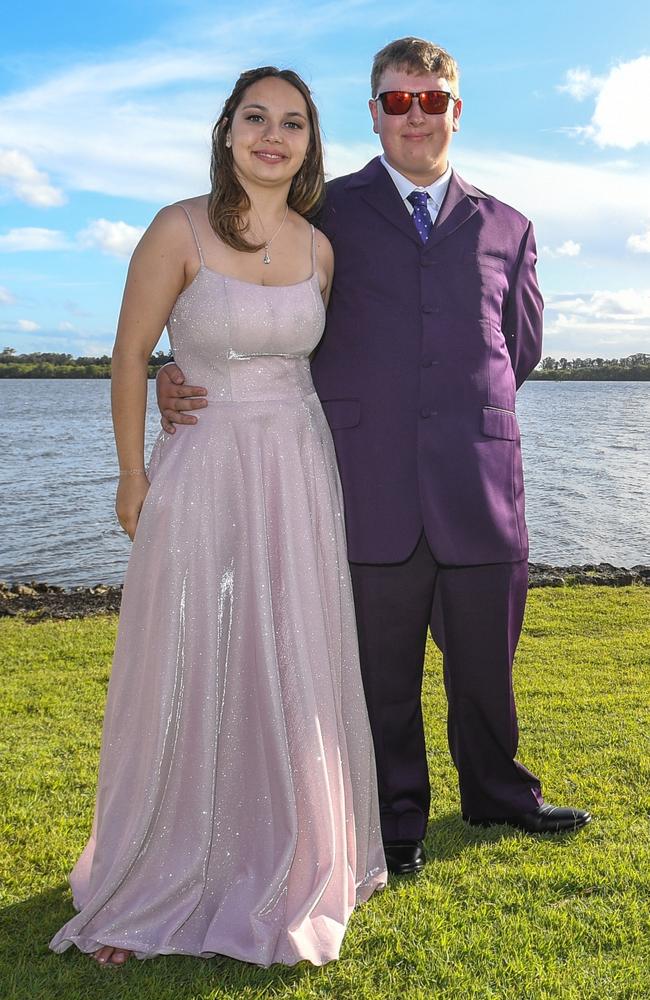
(267, 259)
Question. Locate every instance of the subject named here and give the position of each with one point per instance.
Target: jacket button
(427, 362)
(427, 309)
(424, 413)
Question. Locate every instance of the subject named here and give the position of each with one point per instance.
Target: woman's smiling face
(270, 132)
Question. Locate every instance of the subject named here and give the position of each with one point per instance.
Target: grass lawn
(498, 915)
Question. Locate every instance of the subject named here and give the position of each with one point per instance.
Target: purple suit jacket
(424, 348)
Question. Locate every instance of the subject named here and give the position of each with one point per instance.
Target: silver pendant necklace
(267, 243)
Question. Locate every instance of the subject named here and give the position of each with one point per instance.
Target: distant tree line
(49, 365)
(635, 368)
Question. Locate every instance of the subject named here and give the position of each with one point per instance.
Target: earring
(228, 141)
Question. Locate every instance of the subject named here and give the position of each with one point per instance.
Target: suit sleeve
(522, 320)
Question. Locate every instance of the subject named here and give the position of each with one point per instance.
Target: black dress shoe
(545, 819)
(405, 857)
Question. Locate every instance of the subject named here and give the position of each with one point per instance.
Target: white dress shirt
(436, 191)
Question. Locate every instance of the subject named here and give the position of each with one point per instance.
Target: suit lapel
(380, 192)
(459, 205)
(377, 188)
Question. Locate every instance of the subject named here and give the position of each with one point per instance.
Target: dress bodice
(245, 341)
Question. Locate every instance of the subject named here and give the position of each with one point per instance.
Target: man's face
(416, 144)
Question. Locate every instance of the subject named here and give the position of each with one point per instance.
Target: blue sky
(106, 111)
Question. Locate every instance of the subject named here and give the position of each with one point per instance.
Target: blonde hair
(414, 55)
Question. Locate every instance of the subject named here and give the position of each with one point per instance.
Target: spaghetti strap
(313, 250)
(196, 239)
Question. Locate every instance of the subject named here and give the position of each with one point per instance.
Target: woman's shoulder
(169, 232)
(170, 225)
(199, 203)
(176, 213)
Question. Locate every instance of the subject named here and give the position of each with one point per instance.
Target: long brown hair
(228, 200)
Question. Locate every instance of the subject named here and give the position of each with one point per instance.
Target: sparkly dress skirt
(236, 809)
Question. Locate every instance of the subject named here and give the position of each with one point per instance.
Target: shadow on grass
(29, 969)
(449, 836)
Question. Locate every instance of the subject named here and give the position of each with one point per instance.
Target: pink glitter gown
(236, 809)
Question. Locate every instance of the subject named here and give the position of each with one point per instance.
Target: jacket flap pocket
(484, 260)
(498, 423)
(342, 413)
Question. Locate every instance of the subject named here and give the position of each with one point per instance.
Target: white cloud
(138, 125)
(32, 238)
(594, 202)
(28, 325)
(621, 116)
(66, 327)
(84, 348)
(639, 242)
(117, 238)
(340, 159)
(6, 298)
(580, 83)
(598, 324)
(567, 249)
(630, 305)
(20, 175)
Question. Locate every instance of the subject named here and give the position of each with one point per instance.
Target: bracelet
(133, 472)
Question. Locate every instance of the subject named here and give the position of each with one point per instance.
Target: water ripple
(586, 455)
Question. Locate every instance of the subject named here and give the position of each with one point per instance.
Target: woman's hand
(131, 492)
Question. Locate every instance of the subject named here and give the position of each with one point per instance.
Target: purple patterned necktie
(421, 218)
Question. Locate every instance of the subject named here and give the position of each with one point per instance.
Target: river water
(586, 452)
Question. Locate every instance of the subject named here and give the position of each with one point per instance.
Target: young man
(434, 321)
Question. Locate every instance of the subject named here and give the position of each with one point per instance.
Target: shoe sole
(569, 828)
(406, 872)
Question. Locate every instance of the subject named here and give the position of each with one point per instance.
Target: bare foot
(111, 956)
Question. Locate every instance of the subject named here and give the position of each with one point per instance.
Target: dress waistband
(250, 378)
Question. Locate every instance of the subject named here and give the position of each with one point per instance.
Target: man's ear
(374, 114)
(458, 110)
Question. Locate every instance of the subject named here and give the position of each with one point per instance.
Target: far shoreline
(39, 600)
(50, 364)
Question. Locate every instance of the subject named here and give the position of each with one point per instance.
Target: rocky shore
(43, 600)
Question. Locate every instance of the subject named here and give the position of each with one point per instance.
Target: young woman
(236, 809)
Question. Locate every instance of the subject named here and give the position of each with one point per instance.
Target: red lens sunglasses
(398, 102)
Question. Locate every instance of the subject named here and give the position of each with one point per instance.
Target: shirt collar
(436, 191)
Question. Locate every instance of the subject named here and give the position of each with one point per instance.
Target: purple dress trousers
(424, 348)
